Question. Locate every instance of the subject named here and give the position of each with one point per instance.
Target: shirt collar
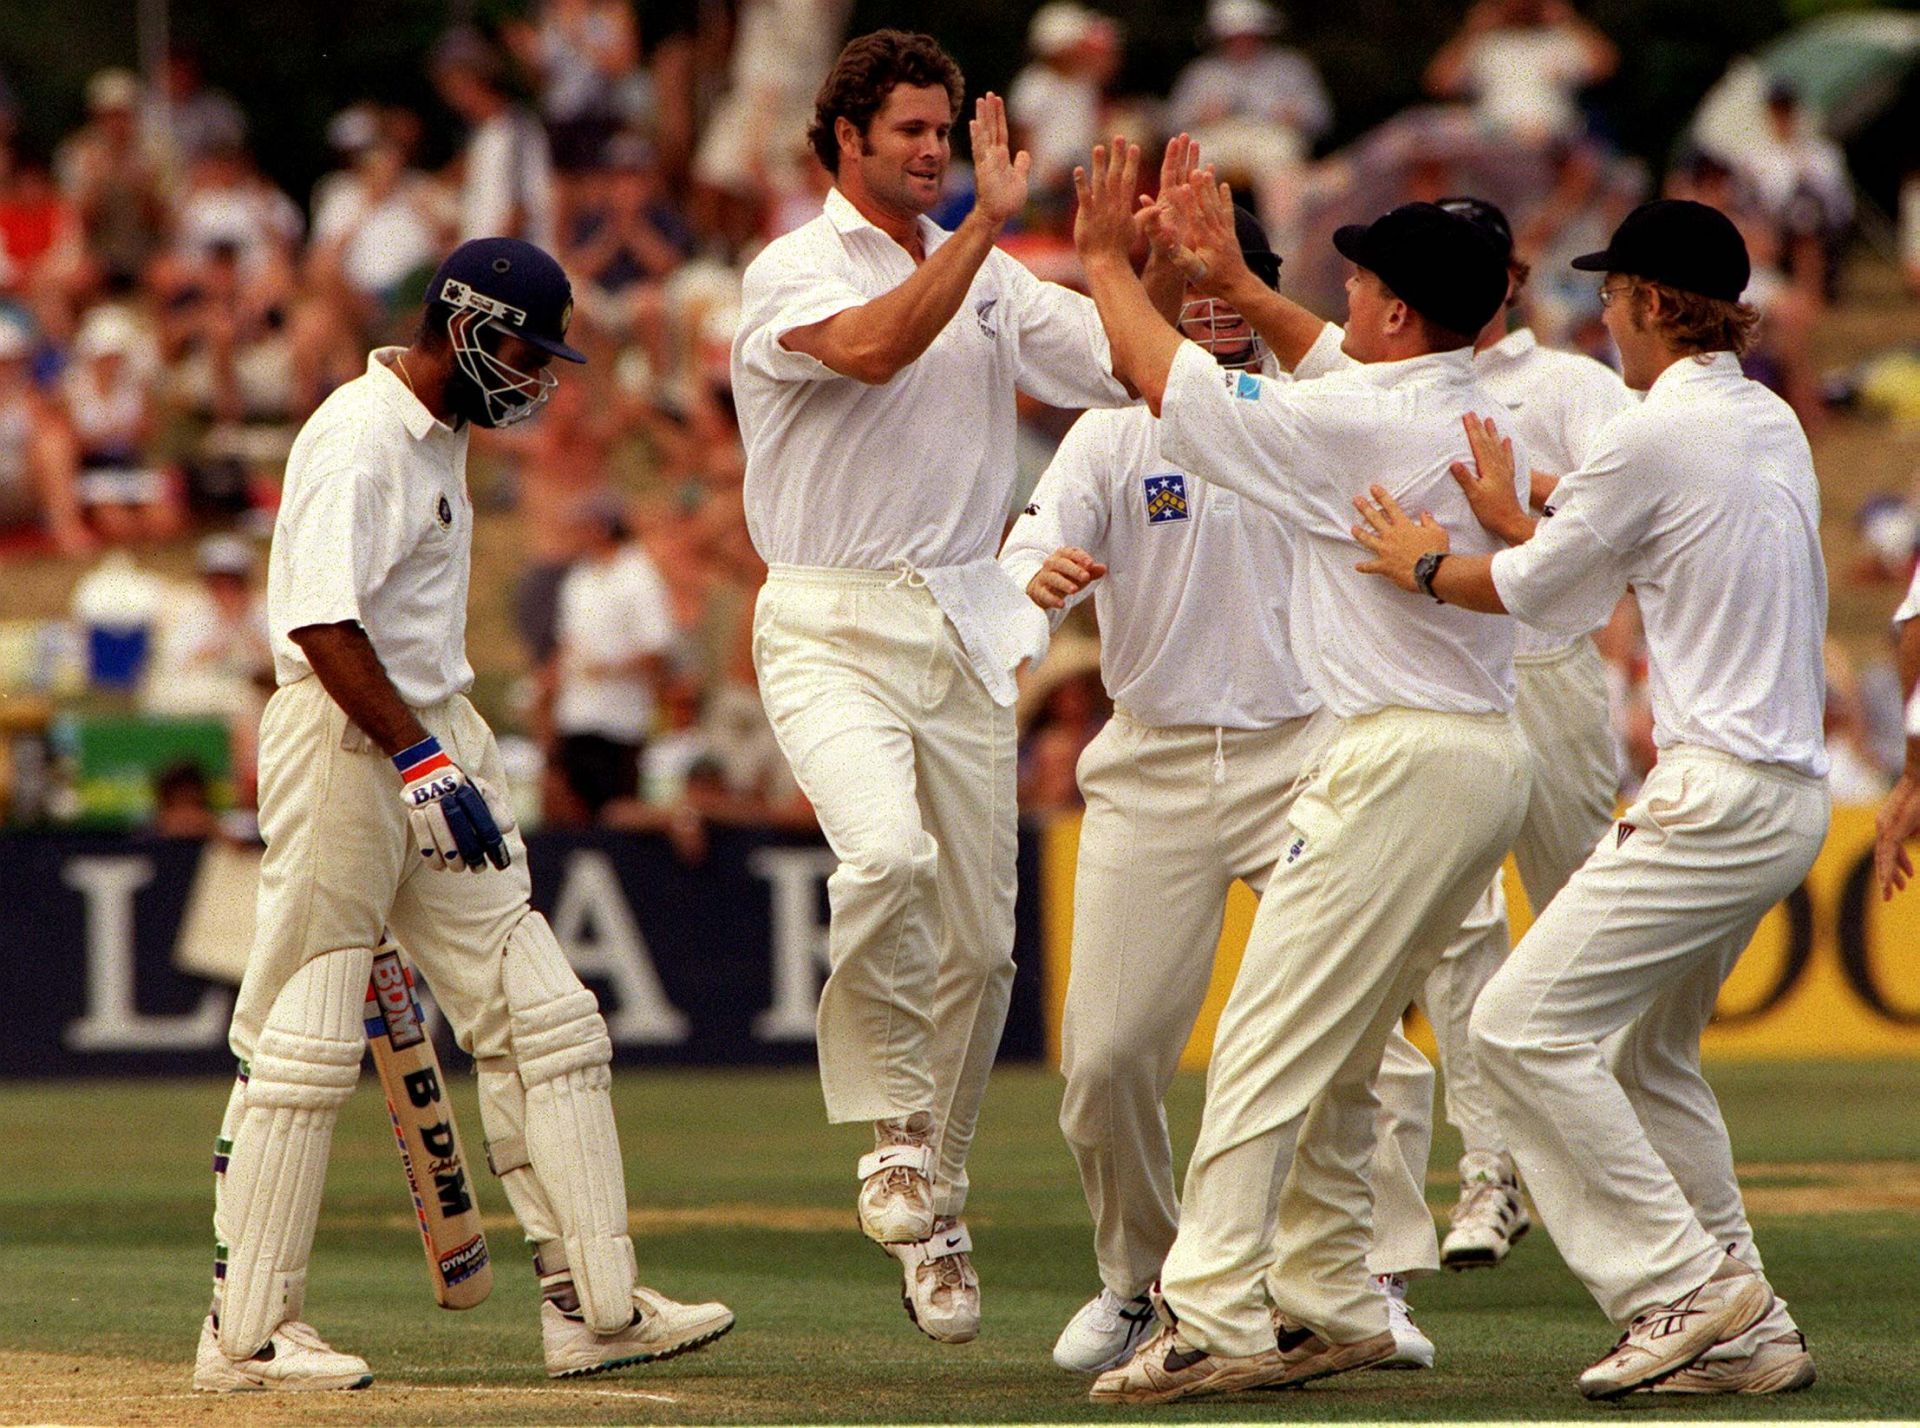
(1673, 383)
(847, 219)
(1511, 348)
(418, 421)
(1428, 368)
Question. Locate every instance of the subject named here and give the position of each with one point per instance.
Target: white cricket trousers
(1560, 701)
(341, 865)
(1406, 818)
(1174, 815)
(1630, 1166)
(910, 766)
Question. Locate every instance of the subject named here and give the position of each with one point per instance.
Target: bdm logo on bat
(395, 1000)
(464, 1261)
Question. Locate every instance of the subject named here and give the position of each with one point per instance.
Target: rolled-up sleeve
(779, 294)
(1064, 359)
(1564, 581)
(341, 544)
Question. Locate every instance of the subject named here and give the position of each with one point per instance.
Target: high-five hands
(1061, 576)
(1194, 220)
(1103, 223)
(999, 175)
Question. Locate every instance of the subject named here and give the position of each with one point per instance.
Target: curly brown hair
(866, 73)
(1696, 323)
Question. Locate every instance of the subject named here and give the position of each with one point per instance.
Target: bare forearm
(344, 662)
(1467, 581)
(873, 342)
(1165, 284)
(1143, 342)
(1288, 329)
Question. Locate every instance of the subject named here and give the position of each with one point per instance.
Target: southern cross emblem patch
(1166, 497)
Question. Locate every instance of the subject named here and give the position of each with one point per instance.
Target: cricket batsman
(378, 805)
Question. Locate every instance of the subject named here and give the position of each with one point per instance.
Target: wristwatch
(1425, 568)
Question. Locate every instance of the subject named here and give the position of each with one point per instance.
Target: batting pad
(268, 1201)
(562, 1050)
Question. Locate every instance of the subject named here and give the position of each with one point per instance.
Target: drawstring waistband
(909, 576)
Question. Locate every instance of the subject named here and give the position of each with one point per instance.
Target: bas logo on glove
(453, 820)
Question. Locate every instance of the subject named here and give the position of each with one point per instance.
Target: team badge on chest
(1166, 497)
(444, 511)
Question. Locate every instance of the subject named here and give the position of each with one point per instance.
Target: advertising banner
(122, 951)
(1829, 973)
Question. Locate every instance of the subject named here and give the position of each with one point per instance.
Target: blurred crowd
(169, 316)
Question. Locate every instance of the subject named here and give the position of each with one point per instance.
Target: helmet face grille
(1219, 329)
(507, 395)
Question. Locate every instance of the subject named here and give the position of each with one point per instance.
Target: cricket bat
(423, 1125)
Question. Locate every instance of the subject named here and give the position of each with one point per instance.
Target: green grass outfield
(741, 1192)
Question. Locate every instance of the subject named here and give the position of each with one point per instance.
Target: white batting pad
(268, 1199)
(562, 1050)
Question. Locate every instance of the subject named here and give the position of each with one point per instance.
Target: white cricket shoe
(295, 1360)
(896, 1181)
(1411, 1348)
(1104, 1333)
(1780, 1365)
(1167, 1367)
(939, 1289)
(661, 1329)
(1669, 1337)
(1489, 1218)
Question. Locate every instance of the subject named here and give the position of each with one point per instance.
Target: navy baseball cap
(1445, 267)
(1256, 247)
(518, 285)
(1683, 244)
(1487, 215)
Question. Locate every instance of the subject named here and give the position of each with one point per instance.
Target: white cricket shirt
(920, 468)
(375, 527)
(611, 613)
(1305, 449)
(1703, 498)
(1193, 607)
(1559, 401)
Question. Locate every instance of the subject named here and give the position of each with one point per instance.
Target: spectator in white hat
(1055, 103)
(1254, 106)
(108, 396)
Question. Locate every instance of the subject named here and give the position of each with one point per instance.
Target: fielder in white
(875, 366)
(1704, 500)
(1371, 882)
(1187, 790)
(376, 803)
(1558, 402)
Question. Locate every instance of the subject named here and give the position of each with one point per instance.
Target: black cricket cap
(1487, 215)
(517, 284)
(1256, 247)
(1445, 267)
(1683, 244)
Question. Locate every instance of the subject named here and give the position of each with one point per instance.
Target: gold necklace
(401, 363)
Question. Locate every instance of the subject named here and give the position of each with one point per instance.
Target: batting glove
(455, 824)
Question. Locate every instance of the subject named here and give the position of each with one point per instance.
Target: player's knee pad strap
(562, 1050)
(278, 1135)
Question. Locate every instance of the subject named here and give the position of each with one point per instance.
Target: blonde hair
(1696, 323)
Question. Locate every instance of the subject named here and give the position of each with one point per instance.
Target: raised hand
(1396, 540)
(1157, 225)
(1061, 576)
(1488, 483)
(1201, 212)
(999, 176)
(1103, 220)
